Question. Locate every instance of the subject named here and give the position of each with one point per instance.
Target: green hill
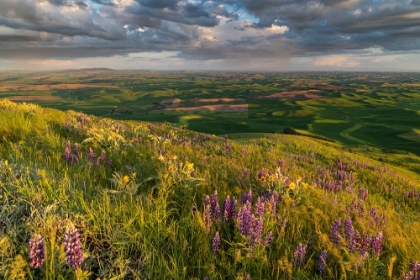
(83, 197)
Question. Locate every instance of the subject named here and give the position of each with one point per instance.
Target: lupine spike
(322, 262)
(299, 255)
(335, 232)
(350, 234)
(268, 239)
(73, 247)
(36, 251)
(216, 242)
(377, 243)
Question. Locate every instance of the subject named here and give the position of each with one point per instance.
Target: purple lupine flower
(322, 262)
(257, 230)
(207, 216)
(246, 197)
(350, 234)
(73, 247)
(311, 245)
(245, 173)
(335, 232)
(363, 194)
(206, 278)
(259, 208)
(216, 242)
(283, 225)
(207, 201)
(247, 277)
(227, 211)
(68, 145)
(299, 255)
(109, 163)
(214, 201)
(415, 268)
(233, 204)
(67, 154)
(217, 213)
(377, 243)
(364, 241)
(36, 251)
(274, 201)
(101, 158)
(245, 220)
(76, 149)
(91, 155)
(268, 239)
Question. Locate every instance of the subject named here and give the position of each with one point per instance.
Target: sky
(256, 35)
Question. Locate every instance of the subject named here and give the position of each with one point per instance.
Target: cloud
(236, 31)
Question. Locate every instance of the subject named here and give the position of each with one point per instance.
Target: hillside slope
(86, 198)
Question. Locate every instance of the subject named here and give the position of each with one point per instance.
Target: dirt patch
(24, 87)
(298, 95)
(218, 100)
(25, 98)
(217, 108)
(412, 136)
(171, 103)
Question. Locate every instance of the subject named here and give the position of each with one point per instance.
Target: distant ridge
(103, 69)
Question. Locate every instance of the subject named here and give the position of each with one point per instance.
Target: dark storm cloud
(207, 29)
(191, 14)
(159, 4)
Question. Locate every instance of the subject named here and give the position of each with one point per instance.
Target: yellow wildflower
(189, 165)
(292, 186)
(126, 179)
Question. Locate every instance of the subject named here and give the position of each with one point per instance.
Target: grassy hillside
(83, 197)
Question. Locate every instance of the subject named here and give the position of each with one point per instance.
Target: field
(379, 110)
(85, 197)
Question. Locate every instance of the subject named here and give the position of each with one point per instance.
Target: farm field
(379, 110)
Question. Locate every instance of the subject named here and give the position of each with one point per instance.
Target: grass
(144, 215)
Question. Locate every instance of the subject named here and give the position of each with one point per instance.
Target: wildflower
(245, 173)
(335, 232)
(126, 179)
(350, 234)
(268, 239)
(299, 255)
(73, 247)
(214, 200)
(259, 208)
(364, 241)
(109, 163)
(246, 197)
(257, 230)
(245, 220)
(76, 149)
(207, 216)
(377, 243)
(216, 242)
(36, 251)
(101, 159)
(227, 209)
(292, 186)
(322, 262)
(91, 155)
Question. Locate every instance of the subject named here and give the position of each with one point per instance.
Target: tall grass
(141, 213)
